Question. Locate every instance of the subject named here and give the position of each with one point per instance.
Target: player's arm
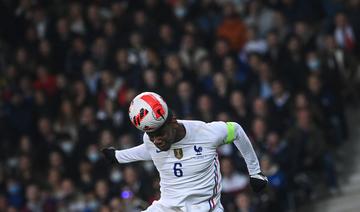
(236, 135)
(231, 132)
(137, 153)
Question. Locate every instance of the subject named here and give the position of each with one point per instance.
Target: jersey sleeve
(133, 154)
(231, 132)
(218, 130)
(237, 135)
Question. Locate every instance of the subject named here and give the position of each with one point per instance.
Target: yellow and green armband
(230, 132)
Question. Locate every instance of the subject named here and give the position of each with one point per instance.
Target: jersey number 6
(177, 171)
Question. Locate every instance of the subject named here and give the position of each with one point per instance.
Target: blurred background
(286, 70)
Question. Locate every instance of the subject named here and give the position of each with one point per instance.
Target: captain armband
(230, 126)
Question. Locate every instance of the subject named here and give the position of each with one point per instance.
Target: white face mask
(180, 12)
(314, 64)
(93, 157)
(149, 166)
(94, 205)
(126, 146)
(13, 162)
(67, 146)
(115, 176)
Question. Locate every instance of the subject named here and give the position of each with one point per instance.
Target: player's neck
(180, 132)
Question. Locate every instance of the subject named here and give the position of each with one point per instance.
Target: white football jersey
(189, 170)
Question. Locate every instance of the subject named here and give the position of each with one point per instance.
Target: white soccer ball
(148, 111)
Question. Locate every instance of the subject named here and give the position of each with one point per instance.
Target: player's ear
(174, 117)
(173, 121)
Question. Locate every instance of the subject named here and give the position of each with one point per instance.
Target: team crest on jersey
(178, 153)
(198, 150)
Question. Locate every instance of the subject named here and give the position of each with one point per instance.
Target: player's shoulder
(198, 123)
(192, 123)
(215, 124)
(203, 127)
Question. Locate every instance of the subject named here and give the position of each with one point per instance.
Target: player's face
(163, 137)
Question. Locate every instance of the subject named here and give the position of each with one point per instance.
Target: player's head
(149, 113)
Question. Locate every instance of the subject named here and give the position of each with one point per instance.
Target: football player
(184, 153)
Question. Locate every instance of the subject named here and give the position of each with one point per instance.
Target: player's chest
(183, 152)
(184, 160)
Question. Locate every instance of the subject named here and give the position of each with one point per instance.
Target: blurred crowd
(283, 69)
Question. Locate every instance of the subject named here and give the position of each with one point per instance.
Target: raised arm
(133, 154)
(236, 134)
(137, 153)
(231, 132)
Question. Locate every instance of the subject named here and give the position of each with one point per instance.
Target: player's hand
(109, 154)
(258, 182)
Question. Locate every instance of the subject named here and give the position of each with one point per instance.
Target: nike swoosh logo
(158, 151)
